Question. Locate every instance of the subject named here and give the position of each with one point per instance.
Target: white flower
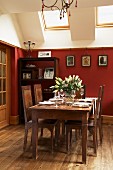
(68, 84)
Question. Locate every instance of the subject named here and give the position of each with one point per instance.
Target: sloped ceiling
(29, 23)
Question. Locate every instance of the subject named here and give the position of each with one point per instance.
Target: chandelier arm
(55, 7)
(67, 3)
(51, 6)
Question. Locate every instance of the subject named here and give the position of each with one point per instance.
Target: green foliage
(68, 84)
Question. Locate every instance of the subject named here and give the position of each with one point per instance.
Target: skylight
(105, 16)
(51, 20)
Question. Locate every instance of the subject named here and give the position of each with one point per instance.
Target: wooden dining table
(62, 112)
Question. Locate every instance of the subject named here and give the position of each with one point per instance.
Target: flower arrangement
(68, 84)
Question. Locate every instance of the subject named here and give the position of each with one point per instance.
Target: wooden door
(4, 87)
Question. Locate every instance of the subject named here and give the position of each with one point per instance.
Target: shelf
(35, 75)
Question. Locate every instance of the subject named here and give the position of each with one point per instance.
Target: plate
(81, 104)
(46, 103)
(55, 99)
(84, 106)
(85, 100)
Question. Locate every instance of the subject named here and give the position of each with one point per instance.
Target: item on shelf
(47, 90)
(30, 72)
(40, 73)
(26, 75)
(49, 73)
(30, 65)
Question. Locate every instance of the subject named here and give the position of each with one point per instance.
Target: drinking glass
(73, 94)
(81, 92)
(62, 94)
(56, 97)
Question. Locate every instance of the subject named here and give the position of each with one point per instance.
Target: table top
(60, 107)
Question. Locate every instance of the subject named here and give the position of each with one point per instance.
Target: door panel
(4, 98)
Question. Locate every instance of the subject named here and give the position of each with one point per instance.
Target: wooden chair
(27, 102)
(99, 116)
(77, 125)
(78, 95)
(50, 124)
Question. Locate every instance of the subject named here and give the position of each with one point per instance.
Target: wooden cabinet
(37, 71)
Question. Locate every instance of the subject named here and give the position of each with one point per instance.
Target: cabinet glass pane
(1, 71)
(4, 84)
(4, 98)
(1, 89)
(3, 57)
(0, 98)
(4, 71)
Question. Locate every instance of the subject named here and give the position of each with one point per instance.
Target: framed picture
(70, 61)
(102, 60)
(49, 73)
(86, 60)
(42, 54)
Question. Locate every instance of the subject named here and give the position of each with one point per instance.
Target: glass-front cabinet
(37, 71)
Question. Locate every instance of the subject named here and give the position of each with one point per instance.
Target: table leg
(34, 136)
(84, 142)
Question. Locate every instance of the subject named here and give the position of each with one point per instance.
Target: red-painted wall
(92, 76)
(15, 54)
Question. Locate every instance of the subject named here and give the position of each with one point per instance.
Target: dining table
(60, 112)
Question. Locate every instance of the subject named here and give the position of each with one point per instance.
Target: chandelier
(65, 5)
(29, 46)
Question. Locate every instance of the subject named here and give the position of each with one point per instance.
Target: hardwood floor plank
(13, 158)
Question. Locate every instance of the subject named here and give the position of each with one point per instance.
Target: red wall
(92, 76)
(15, 54)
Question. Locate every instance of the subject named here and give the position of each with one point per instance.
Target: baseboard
(107, 119)
(14, 120)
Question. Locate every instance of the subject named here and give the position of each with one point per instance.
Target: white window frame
(104, 16)
(59, 24)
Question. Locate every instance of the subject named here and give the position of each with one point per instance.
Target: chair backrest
(27, 101)
(78, 95)
(38, 93)
(100, 98)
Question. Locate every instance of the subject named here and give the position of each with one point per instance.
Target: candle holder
(29, 46)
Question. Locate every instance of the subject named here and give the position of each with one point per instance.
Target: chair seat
(47, 123)
(70, 122)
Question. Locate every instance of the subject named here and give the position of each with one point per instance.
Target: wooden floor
(13, 158)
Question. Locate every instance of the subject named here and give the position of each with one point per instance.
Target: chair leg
(57, 132)
(70, 137)
(95, 140)
(41, 132)
(63, 127)
(52, 140)
(100, 131)
(67, 139)
(25, 139)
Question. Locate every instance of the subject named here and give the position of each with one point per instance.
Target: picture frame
(102, 60)
(70, 61)
(49, 73)
(42, 54)
(26, 76)
(86, 60)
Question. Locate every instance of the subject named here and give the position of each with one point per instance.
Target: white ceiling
(30, 26)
